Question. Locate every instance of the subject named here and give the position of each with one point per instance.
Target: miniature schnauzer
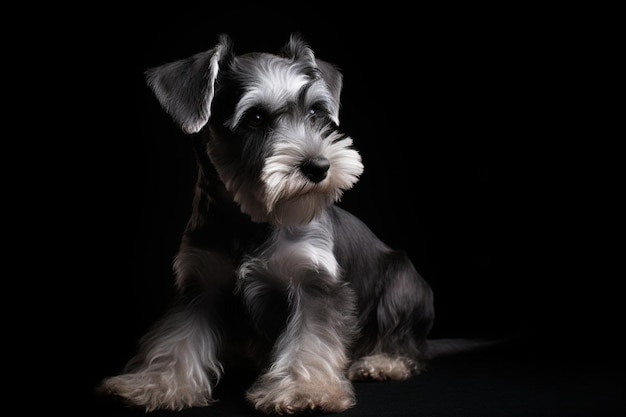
(269, 270)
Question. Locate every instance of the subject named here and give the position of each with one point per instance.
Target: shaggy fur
(269, 268)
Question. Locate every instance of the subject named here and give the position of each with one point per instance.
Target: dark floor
(499, 383)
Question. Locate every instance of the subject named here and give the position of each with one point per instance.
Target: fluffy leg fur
(176, 365)
(396, 327)
(310, 357)
(308, 363)
(177, 362)
(395, 304)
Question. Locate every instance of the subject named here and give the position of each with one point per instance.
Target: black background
(477, 164)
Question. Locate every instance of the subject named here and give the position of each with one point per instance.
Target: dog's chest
(292, 254)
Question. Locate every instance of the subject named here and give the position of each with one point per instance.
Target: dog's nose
(315, 169)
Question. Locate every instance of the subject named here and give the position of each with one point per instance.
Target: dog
(270, 270)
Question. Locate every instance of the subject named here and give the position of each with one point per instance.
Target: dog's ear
(297, 49)
(334, 80)
(185, 88)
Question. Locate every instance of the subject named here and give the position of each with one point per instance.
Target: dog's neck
(216, 221)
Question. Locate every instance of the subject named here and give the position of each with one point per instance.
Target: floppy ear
(297, 49)
(185, 88)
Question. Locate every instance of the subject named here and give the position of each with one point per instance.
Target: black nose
(315, 169)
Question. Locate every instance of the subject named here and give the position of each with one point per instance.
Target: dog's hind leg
(396, 317)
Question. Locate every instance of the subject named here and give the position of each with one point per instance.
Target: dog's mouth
(293, 187)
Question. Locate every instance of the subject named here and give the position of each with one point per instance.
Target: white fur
(177, 366)
(293, 253)
(273, 86)
(309, 359)
(289, 197)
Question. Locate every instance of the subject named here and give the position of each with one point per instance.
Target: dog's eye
(316, 111)
(255, 118)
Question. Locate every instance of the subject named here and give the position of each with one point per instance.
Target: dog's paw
(382, 367)
(294, 397)
(155, 392)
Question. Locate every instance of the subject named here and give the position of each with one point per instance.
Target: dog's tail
(436, 348)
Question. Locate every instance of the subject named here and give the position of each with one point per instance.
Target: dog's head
(271, 123)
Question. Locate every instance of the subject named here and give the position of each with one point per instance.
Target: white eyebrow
(273, 86)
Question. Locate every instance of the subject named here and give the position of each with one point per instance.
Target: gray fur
(269, 268)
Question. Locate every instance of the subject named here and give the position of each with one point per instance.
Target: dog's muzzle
(315, 169)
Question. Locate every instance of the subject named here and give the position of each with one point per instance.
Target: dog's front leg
(309, 360)
(177, 364)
